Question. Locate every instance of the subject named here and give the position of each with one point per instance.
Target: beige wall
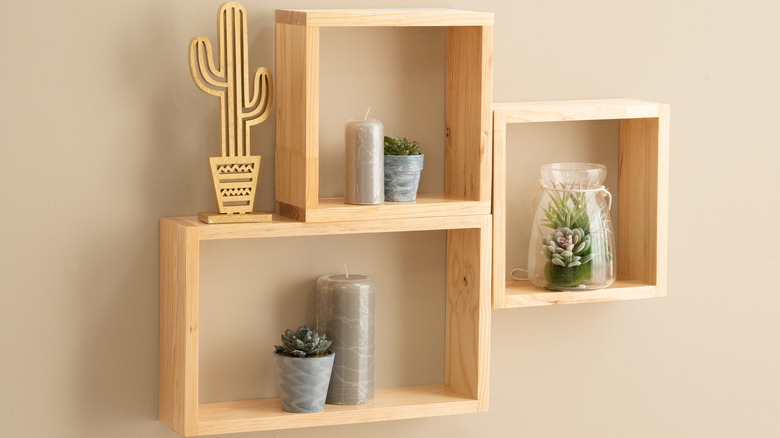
(102, 132)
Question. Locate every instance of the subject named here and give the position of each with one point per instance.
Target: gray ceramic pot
(303, 381)
(402, 176)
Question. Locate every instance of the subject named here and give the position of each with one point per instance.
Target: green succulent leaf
(587, 258)
(304, 342)
(397, 146)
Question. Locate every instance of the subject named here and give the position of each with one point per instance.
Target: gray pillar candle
(345, 313)
(364, 179)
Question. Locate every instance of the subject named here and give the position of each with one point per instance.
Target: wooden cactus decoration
(234, 172)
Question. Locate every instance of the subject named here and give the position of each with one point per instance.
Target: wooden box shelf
(643, 198)
(467, 328)
(266, 414)
(468, 95)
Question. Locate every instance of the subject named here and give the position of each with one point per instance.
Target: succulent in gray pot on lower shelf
(403, 165)
(303, 366)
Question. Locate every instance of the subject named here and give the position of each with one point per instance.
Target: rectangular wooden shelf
(643, 179)
(525, 294)
(467, 327)
(285, 227)
(426, 205)
(383, 17)
(467, 110)
(388, 404)
(574, 110)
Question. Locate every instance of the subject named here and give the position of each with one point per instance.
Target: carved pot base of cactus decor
(235, 180)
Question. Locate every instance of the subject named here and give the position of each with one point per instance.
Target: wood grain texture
(178, 384)
(297, 115)
(286, 227)
(499, 209)
(468, 112)
(662, 213)
(525, 294)
(383, 17)
(388, 404)
(571, 110)
(426, 205)
(643, 204)
(467, 310)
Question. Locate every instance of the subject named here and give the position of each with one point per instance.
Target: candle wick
(345, 271)
(366, 116)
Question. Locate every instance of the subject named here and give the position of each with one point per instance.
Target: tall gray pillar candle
(345, 313)
(364, 181)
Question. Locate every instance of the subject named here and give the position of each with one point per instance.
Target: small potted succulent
(403, 164)
(303, 366)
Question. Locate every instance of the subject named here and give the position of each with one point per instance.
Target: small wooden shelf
(643, 179)
(426, 205)
(525, 294)
(467, 327)
(383, 17)
(468, 112)
(285, 227)
(388, 404)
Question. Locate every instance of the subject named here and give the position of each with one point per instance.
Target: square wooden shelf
(643, 198)
(467, 328)
(468, 113)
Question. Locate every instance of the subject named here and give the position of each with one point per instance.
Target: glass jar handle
(512, 274)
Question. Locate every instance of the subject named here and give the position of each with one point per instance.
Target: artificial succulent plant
(304, 342)
(568, 248)
(397, 146)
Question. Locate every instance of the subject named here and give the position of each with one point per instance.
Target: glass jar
(572, 244)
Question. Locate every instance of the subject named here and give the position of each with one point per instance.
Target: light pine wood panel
(643, 203)
(383, 17)
(467, 333)
(426, 205)
(468, 112)
(571, 110)
(499, 208)
(285, 227)
(388, 404)
(641, 252)
(525, 294)
(662, 213)
(178, 385)
(297, 119)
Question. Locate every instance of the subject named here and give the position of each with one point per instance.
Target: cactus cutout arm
(200, 70)
(260, 101)
(263, 92)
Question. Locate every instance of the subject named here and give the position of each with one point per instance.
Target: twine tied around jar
(564, 189)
